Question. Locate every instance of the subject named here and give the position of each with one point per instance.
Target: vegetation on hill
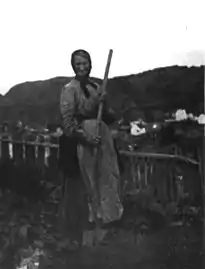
(148, 95)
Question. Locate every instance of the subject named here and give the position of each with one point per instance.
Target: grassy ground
(172, 247)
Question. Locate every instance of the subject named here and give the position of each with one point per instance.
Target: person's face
(82, 66)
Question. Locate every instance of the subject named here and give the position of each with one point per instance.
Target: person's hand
(103, 96)
(94, 141)
(87, 140)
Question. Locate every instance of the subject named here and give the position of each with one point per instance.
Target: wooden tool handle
(103, 89)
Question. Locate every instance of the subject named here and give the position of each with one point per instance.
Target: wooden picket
(142, 169)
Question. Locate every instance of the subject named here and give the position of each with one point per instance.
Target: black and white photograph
(102, 124)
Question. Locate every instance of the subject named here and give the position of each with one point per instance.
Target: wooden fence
(170, 175)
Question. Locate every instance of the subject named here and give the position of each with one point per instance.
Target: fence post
(18, 152)
(133, 172)
(5, 147)
(0, 148)
(146, 172)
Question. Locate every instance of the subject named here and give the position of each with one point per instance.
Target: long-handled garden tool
(96, 200)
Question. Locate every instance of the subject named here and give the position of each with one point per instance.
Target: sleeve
(67, 108)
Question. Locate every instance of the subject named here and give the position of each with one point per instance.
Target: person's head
(81, 63)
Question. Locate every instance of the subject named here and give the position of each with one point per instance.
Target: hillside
(148, 93)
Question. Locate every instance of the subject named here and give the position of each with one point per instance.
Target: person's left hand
(103, 96)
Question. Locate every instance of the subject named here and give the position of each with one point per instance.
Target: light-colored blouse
(75, 105)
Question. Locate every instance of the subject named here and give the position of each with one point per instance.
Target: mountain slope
(161, 89)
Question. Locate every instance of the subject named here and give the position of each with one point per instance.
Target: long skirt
(102, 183)
(100, 186)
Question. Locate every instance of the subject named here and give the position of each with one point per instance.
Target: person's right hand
(89, 140)
(94, 141)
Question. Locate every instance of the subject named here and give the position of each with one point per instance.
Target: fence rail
(48, 144)
(166, 173)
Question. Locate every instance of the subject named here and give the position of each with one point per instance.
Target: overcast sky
(38, 36)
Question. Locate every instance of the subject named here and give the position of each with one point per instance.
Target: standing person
(79, 105)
